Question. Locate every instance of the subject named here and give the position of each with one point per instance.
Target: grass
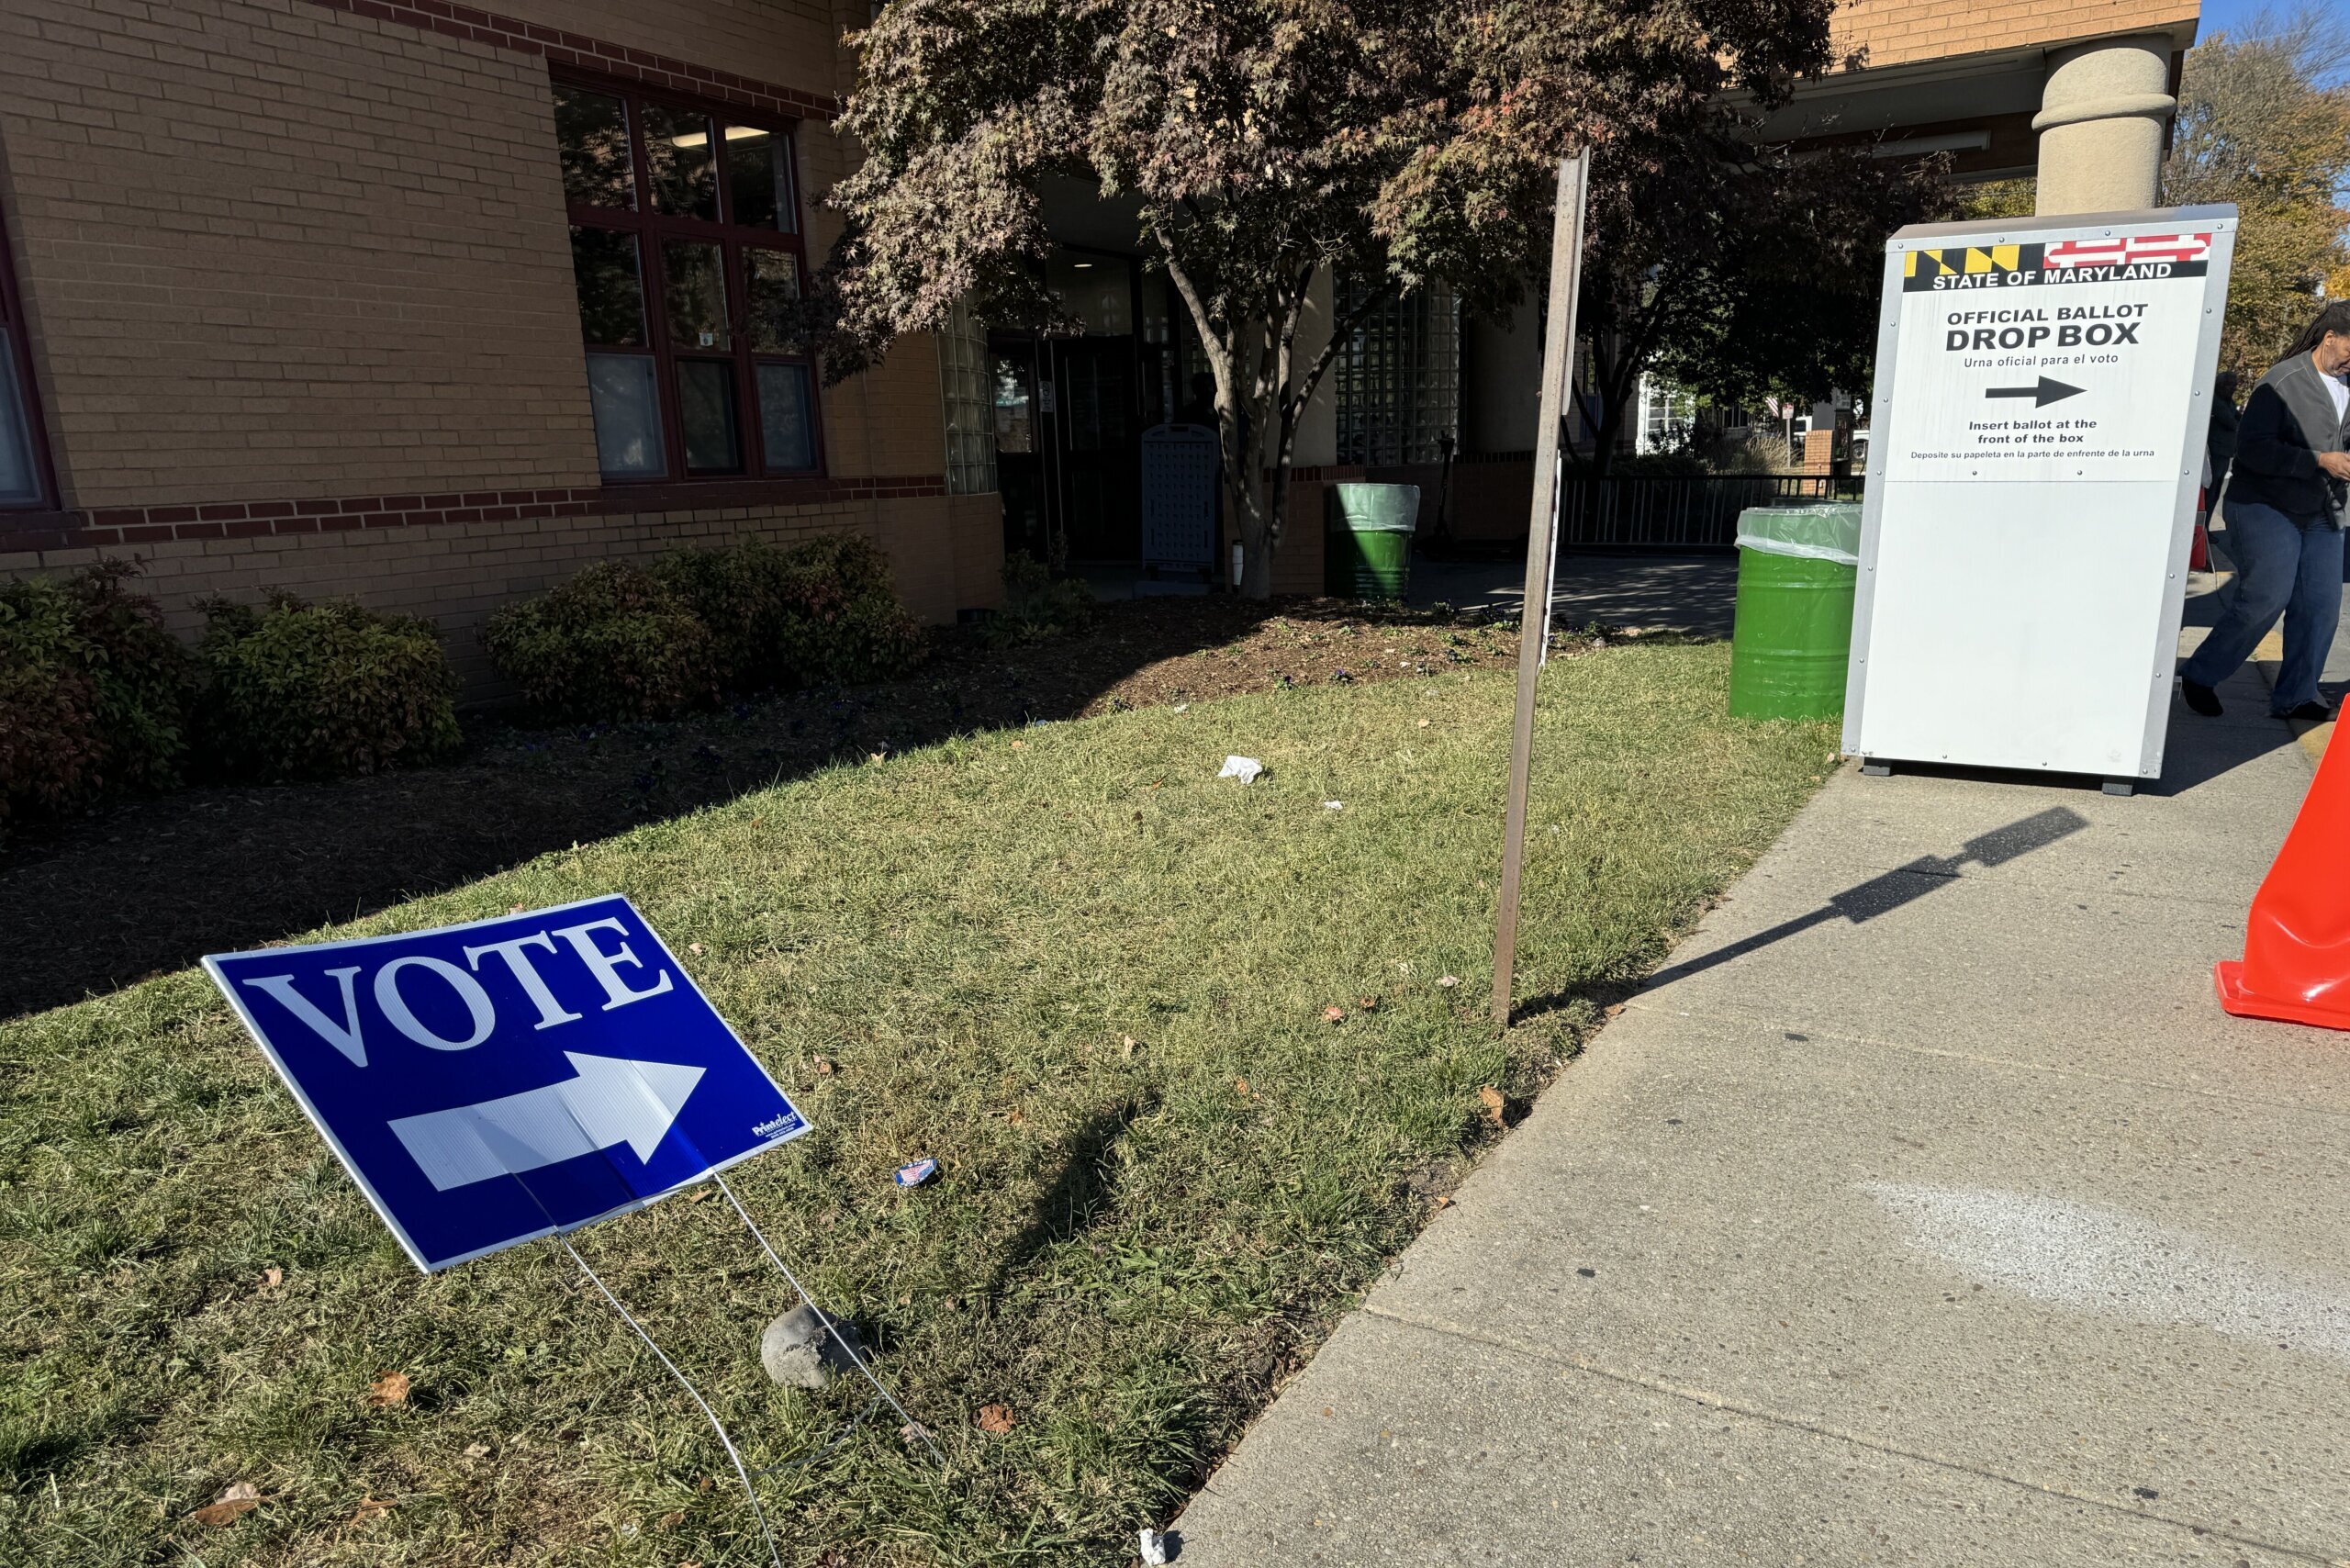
(1127, 1247)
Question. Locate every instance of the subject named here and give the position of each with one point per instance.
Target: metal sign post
(1541, 551)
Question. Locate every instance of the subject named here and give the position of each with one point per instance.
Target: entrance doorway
(1070, 411)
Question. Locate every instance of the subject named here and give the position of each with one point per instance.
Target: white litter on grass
(1181, 708)
(1334, 805)
(1245, 768)
(2100, 1260)
(1152, 1544)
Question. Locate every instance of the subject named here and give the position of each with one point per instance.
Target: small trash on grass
(914, 1172)
(1247, 770)
(1334, 1016)
(1447, 981)
(1181, 708)
(233, 1505)
(1334, 805)
(1158, 1547)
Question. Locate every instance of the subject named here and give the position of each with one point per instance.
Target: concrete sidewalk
(1925, 1209)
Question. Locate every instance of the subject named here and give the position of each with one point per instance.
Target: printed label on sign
(491, 1083)
(2068, 358)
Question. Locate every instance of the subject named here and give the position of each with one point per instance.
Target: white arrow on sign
(611, 1102)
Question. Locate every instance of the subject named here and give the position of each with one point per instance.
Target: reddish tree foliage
(1266, 142)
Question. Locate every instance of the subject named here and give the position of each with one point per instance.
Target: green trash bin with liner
(1366, 540)
(1793, 638)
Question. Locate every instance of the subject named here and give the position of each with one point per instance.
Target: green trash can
(1796, 569)
(1367, 541)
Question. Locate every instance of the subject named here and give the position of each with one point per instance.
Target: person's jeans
(2284, 567)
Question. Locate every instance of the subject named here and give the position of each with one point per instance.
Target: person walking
(2285, 509)
(2220, 439)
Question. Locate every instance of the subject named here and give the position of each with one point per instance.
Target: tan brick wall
(270, 250)
(1895, 31)
(284, 253)
(790, 42)
(457, 573)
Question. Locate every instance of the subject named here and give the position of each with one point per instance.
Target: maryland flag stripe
(1960, 259)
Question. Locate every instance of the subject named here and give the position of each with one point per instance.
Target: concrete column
(2100, 125)
(1501, 385)
(1317, 425)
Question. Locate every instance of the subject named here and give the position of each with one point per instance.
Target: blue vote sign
(491, 1083)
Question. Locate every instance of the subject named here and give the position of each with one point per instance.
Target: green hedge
(94, 692)
(626, 642)
(298, 691)
(614, 642)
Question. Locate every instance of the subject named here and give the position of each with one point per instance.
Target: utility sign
(2043, 392)
(2049, 360)
(491, 1083)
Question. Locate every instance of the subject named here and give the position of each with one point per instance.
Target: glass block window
(965, 390)
(1397, 377)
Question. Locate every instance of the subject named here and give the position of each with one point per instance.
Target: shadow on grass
(1086, 1188)
(150, 885)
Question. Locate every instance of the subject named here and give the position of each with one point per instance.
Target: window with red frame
(23, 474)
(686, 247)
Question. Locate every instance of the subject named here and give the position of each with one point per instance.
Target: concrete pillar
(2100, 125)
(1317, 425)
(1501, 382)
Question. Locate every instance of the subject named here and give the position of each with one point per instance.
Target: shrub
(843, 624)
(742, 595)
(94, 692)
(613, 642)
(296, 691)
(1037, 606)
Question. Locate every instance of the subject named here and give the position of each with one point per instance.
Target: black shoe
(2199, 696)
(2309, 713)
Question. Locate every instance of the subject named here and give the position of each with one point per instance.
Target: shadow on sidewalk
(1903, 885)
(1866, 901)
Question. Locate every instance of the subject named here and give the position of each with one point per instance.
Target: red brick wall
(1493, 496)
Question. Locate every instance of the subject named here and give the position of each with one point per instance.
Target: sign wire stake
(741, 1472)
(838, 1338)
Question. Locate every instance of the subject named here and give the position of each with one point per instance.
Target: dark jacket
(2288, 420)
(2221, 440)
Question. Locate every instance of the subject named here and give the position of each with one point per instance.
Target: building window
(687, 253)
(965, 388)
(24, 478)
(1397, 379)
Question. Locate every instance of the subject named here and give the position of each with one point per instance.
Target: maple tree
(2264, 122)
(1267, 144)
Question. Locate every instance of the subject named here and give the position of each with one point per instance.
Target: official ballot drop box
(2044, 387)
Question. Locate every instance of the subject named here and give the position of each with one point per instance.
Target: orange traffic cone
(2297, 943)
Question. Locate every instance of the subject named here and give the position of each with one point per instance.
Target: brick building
(430, 306)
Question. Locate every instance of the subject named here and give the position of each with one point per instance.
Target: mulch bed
(148, 886)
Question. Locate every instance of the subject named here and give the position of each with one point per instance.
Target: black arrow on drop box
(2047, 392)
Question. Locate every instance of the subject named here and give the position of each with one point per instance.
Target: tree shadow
(151, 884)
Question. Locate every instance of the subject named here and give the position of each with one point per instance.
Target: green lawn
(1128, 1247)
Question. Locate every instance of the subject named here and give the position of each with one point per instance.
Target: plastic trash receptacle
(1367, 542)
(1793, 638)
